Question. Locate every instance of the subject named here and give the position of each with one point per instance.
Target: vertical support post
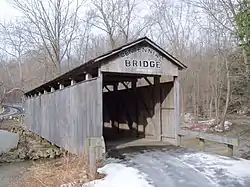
(157, 108)
(52, 89)
(115, 88)
(88, 76)
(177, 108)
(179, 140)
(133, 84)
(202, 144)
(72, 82)
(86, 146)
(100, 100)
(45, 91)
(92, 161)
(230, 149)
(61, 86)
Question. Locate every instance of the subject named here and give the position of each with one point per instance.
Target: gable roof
(80, 69)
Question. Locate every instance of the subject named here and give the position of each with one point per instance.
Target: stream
(10, 171)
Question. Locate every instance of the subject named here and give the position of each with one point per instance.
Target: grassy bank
(68, 169)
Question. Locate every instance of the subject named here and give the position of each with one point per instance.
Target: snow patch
(211, 165)
(208, 125)
(207, 122)
(119, 175)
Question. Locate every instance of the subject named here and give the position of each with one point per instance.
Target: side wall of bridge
(69, 116)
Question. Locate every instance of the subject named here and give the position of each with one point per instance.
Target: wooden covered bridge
(132, 90)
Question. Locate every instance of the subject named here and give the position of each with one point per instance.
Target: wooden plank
(202, 144)
(168, 129)
(210, 137)
(157, 108)
(230, 149)
(99, 122)
(144, 60)
(168, 111)
(177, 108)
(167, 95)
(166, 78)
(67, 116)
(136, 112)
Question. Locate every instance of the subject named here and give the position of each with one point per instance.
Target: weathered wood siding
(66, 117)
(143, 59)
(168, 111)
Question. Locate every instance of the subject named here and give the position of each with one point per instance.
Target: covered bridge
(132, 90)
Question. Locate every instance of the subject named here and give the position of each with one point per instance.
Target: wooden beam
(133, 84)
(115, 88)
(230, 150)
(100, 96)
(116, 79)
(52, 89)
(210, 137)
(61, 86)
(147, 80)
(202, 144)
(88, 76)
(177, 108)
(72, 82)
(125, 85)
(107, 88)
(157, 108)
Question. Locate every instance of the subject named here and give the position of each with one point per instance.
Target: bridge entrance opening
(137, 106)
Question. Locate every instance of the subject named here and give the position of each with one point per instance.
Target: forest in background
(211, 37)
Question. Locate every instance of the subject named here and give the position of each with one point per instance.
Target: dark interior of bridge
(128, 105)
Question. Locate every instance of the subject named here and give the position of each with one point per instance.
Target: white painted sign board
(140, 60)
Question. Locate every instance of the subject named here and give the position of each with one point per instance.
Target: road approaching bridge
(11, 110)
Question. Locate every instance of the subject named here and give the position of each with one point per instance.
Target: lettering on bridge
(142, 63)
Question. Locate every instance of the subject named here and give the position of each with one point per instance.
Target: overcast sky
(7, 12)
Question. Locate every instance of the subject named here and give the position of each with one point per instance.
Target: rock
(35, 157)
(22, 155)
(8, 141)
(51, 153)
(57, 152)
(39, 153)
(30, 146)
(9, 157)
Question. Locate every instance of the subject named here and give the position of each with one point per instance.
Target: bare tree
(52, 24)
(118, 19)
(7, 84)
(14, 44)
(173, 28)
(223, 13)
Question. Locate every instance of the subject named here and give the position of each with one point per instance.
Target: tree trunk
(1, 107)
(247, 63)
(194, 99)
(227, 97)
(211, 108)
